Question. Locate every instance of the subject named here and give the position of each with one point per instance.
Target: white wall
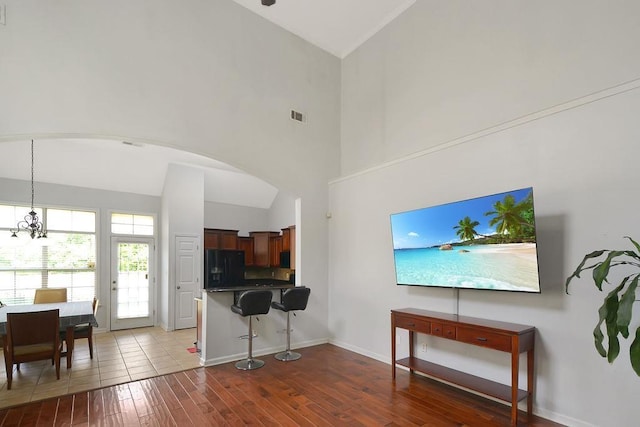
(184, 212)
(208, 77)
(446, 78)
(282, 213)
(443, 70)
(233, 217)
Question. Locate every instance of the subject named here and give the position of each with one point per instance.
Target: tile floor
(118, 357)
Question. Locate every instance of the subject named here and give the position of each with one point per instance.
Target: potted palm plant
(617, 309)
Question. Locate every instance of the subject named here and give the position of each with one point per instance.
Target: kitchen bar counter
(221, 327)
(258, 284)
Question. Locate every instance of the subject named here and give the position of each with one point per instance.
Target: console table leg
(515, 359)
(411, 346)
(530, 361)
(393, 348)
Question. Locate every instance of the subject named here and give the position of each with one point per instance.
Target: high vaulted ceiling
(337, 26)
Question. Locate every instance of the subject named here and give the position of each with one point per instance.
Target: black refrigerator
(223, 268)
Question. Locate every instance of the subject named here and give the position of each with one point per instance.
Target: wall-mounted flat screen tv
(487, 242)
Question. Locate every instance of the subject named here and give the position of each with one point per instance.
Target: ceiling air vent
(298, 116)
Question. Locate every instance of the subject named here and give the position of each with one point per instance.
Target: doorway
(132, 279)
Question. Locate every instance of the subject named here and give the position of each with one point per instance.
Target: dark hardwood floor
(329, 386)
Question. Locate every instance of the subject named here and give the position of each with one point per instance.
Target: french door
(132, 280)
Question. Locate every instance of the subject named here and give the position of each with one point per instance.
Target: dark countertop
(255, 284)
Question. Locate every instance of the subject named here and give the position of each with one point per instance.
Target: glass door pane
(133, 280)
(131, 283)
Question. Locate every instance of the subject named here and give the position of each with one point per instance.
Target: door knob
(178, 287)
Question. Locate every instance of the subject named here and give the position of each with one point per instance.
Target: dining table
(71, 314)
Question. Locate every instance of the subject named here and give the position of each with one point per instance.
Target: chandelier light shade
(31, 223)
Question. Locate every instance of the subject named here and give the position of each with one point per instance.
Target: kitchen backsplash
(268, 273)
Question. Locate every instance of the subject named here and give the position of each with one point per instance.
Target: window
(130, 224)
(65, 259)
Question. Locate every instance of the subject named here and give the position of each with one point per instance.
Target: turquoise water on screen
(483, 267)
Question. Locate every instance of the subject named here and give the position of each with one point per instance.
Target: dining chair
(48, 295)
(83, 331)
(31, 336)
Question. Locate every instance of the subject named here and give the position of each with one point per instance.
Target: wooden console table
(508, 337)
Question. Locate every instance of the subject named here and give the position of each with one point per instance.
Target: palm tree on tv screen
(511, 218)
(466, 229)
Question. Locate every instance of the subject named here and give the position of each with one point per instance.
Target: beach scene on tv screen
(483, 243)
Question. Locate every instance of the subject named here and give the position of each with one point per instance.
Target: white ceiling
(140, 169)
(337, 26)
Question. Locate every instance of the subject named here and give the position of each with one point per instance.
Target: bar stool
(252, 303)
(291, 300)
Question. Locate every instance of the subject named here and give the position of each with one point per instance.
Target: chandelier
(31, 223)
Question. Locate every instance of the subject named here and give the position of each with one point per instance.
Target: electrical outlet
(3, 14)
(423, 347)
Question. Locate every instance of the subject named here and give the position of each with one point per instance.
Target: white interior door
(132, 279)
(187, 286)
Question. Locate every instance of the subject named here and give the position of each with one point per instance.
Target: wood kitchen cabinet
(286, 239)
(215, 238)
(262, 247)
(289, 243)
(275, 247)
(246, 244)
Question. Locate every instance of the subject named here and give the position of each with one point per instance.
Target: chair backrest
(252, 303)
(33, 327)
(295, 298)
(48, 295)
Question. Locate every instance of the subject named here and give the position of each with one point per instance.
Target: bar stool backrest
(252, 303)
(294, 299)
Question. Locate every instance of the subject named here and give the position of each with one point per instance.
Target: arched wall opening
(212, 79)
(64, 171)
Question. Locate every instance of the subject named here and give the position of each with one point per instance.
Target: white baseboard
(261, 352)
(376, 356)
